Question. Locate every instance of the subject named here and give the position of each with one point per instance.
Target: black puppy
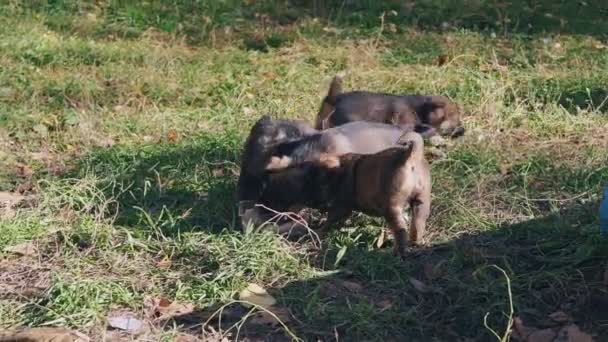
(426, 115)
(265, 134)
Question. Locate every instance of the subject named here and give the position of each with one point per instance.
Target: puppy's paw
(329, 161)
(277, 163)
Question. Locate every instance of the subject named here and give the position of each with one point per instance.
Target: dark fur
(424, 114)
(264, 136)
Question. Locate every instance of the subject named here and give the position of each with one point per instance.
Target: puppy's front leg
(335, 215)
(420, 213)
(397, 226)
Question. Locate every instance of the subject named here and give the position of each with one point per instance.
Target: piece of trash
(255, 294)
(126, 322)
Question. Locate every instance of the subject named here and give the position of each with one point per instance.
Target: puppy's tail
(329, 102)
(413, 141)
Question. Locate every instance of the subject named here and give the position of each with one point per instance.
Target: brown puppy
(383, 184)
(427, 115)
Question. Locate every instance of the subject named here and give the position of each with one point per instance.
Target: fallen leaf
(125, 321)
(168, 310)
(255, 294)
(560, 317)
(572, 333)
(352, 286)
(420, 286)
(172, 136)
(26, 249)
(442, 59)
(381, 237)
(45, 334)
(164, 264)
(24, 171)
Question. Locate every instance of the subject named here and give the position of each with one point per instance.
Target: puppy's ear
(278, 163)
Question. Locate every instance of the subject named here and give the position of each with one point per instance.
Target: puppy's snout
(458, 132)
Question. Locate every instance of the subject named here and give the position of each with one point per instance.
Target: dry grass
(129, 128)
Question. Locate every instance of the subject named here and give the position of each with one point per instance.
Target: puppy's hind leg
(420, 213)
(397, 226)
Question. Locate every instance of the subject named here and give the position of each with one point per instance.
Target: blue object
(604, 214)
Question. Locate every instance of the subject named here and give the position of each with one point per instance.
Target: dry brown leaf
(572, 333)
(172, 136)
(46, 334)
(26, 249)
(442, 59)
(560, 317)
(24, 171)
(257, 295)
(164, 264)
(168, 310)
(420, 286)
(352, 286)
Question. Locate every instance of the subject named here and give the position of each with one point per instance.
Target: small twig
(505, 337)
(255, 306)
(294, 218)
(381, 30)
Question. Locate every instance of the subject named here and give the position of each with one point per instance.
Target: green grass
(131, 119)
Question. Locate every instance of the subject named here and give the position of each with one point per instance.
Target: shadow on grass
(169, 188)
(198, 19)
(443, 292)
